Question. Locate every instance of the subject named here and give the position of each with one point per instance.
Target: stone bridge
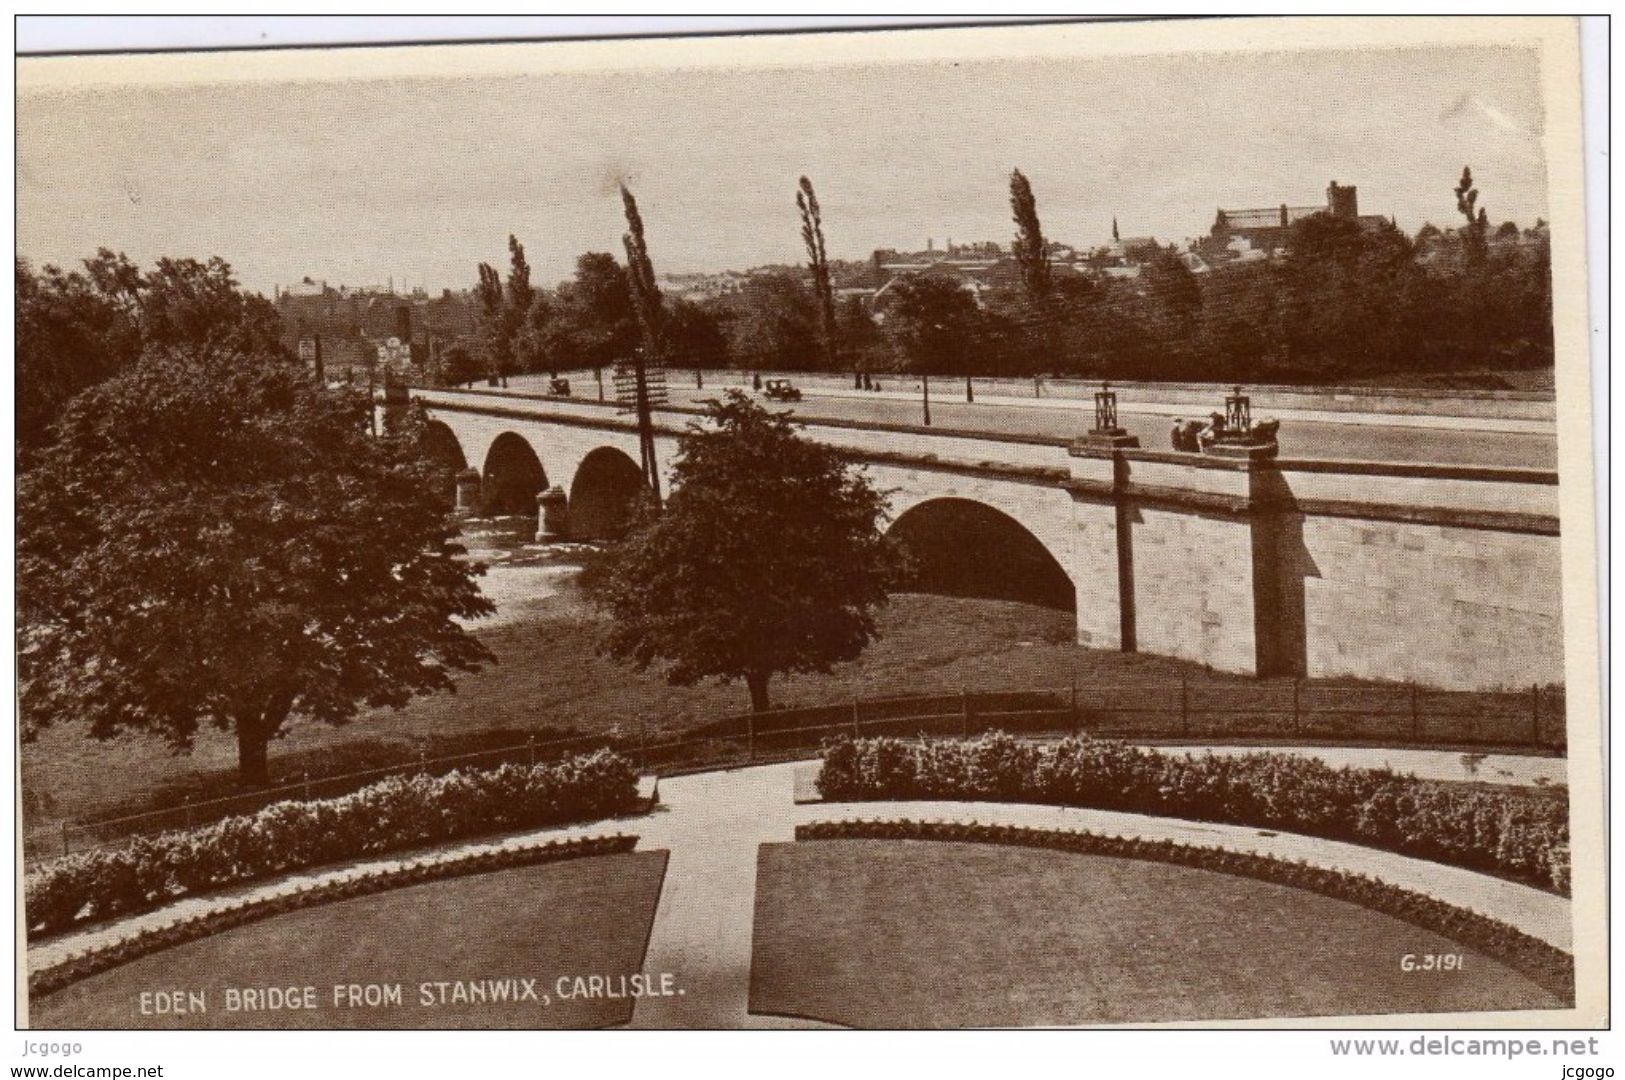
(1444, 575)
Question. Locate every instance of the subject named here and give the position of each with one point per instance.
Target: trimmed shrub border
(156, 939)
(1519, 836)
(1544, 964)
(395, 814)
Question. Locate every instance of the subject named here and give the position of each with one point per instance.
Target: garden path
(713, 824)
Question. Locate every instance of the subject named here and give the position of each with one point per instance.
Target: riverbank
(549, 680)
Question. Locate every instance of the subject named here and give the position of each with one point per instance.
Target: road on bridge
(1359, 437)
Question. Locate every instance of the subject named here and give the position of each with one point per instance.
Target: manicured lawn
(587, 917)
(912, 934)
(550, 680)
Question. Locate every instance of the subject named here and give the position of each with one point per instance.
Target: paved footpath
(714, 823)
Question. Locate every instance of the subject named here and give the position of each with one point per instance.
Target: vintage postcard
(1069, 525)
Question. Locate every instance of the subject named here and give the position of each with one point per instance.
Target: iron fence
(1153, 709)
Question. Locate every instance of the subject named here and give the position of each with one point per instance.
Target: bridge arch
(604, 494)
(513, 476)
(440, 445)
(963, 547)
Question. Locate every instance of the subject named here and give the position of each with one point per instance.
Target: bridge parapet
(1277, 566)
(1321, 568)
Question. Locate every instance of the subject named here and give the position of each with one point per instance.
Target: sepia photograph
(1071, 525)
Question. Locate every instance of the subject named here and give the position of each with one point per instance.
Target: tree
(772, 322)
(1348, 297)
(640, 273)
(532, 340)
(1175, 298)
(694, 335)
(76, 328)
(934, 324)
(767, 559)
(217, 542)
(651, 312)
(495, 336)
(812, 235)
(860, 336)
(521, 315)
(458, 366)
(1029, 248)
(1478, 222)
(595, 324)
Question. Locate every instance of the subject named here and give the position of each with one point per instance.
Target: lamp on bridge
(1106, 432)
(1238, 412)
(1238, 436)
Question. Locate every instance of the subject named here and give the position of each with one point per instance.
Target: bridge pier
(553, 507)
(468, 493)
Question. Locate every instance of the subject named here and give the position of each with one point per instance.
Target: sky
(421, 179)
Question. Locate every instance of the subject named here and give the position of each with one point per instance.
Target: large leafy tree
(1347, 296)
(767, 559)
(694, 335)
(934, 324)
(595, 322)
(217, 542)
(77, 327)
(772, 322)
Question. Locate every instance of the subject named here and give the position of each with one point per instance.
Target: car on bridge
(781, 390)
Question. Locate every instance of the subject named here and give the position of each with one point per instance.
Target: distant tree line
(1346, 299)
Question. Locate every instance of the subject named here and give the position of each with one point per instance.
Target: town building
(1265, 231)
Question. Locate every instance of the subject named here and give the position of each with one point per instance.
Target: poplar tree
(641, 275)
(1030, 250)
(812, 234)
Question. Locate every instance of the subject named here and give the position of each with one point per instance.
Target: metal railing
(1153, 709)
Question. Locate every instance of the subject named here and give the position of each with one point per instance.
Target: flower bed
(392, 815)
(1522, 836)
(140, 944)
(1546, 965)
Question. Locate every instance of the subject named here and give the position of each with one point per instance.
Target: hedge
(1519, 835)
(155, 939)
(1543, 963)
(391, 815)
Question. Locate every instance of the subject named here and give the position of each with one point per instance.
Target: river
(520, 572)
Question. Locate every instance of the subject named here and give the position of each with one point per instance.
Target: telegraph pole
(646, 381)
(646, 431)
(639, 388)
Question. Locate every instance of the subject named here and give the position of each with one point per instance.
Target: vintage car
(560, 387)
(780, 390)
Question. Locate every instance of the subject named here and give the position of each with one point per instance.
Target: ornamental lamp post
(1106, 409)
(1108, 433)
(1239, 437)
(1238, 412)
